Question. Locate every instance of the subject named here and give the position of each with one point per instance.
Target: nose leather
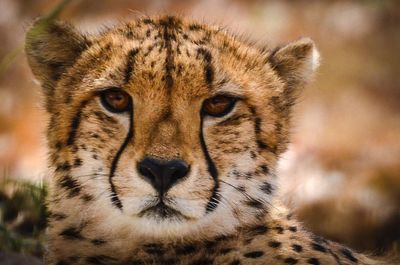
(161, 174)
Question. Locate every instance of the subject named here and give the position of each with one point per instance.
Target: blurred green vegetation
(22, 216)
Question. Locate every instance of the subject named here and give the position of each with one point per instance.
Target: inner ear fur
(51, 48)
(295, 62)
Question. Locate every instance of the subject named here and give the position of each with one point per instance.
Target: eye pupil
(115, 100)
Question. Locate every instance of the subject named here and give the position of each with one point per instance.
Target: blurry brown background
(341, 173)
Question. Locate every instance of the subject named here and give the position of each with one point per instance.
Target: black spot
(274, 244)
(313, 261)
(297, 248)
(58, 145)
(71, 233)
(319, 239)
(148, 21)
(293, 228)
(154, 249)
(71, 185)
(254, 254)
(62, 262)
(98, 242)
(130, 64)
(128, 34)
(261, 144)
(195, 27)
(241, 188)
(186, 250)
(264, 169)
(347, 253)
(279, 229)
(290, 261)
(87, 197)
(77, 162)
(222, 238)
(202, 261)
(255, 204)
(267, 188)
(318, 247)
(257, 125)
(63, 167)
(210, 245)
(208, 67)
(252, 110)
(258, 230)
(235, 262)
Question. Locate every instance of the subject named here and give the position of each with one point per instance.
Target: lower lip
(161, 210)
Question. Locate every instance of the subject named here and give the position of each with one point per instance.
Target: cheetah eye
(219, 105)
(115, 100)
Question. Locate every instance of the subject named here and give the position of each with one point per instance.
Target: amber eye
(218, 106)
(115, 100)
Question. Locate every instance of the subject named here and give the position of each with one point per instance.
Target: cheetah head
(164, 126)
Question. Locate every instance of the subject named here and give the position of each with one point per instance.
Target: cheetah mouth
(162, 211)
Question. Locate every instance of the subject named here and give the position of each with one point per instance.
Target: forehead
(166, 55)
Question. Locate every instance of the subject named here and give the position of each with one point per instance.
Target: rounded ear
(51, 47)
(295, 62)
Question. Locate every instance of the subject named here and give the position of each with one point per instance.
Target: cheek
(96, 145)
(233, 145)
(197, 186)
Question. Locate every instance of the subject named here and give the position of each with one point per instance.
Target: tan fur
(169, 66)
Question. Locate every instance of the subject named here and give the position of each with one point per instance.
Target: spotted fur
(227, 210)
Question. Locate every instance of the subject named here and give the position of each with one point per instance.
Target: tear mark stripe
(114, 196)
(76, 120)
(214, 198)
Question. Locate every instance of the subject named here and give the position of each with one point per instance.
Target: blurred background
(341, 173)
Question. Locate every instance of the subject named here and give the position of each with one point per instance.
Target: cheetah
(164, 136)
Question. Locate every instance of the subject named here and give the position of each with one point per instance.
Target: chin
(160, 225)
(166, 218)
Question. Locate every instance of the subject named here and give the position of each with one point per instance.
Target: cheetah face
(165, 125)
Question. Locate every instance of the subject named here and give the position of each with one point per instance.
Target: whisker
(248, 196)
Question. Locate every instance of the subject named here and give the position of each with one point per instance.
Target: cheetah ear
(296, 62)
(51, 47)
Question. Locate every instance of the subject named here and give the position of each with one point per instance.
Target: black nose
(162, 174)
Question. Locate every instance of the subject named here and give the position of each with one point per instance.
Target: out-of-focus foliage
(22, 217)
